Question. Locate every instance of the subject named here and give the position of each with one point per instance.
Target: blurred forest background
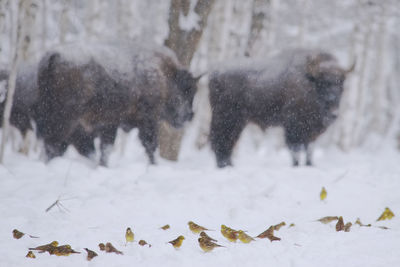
(206, 32)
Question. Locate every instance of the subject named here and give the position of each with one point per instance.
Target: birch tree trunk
(23, 5)
(183, 39)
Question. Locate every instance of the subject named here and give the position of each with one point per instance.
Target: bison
(91, 90)
(297, 89)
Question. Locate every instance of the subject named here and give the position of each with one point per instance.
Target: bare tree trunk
(258, 18)
(183, 39)
(22, 7)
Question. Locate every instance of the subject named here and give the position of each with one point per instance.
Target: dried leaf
(384, 227)
(358, 221)
(386, 215)
(292, 225)
(30, 255)
(340, 224)
(90, 254)
(143, 243)
(328, 219)
(323, 193)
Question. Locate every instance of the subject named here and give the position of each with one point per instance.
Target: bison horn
(352, 67)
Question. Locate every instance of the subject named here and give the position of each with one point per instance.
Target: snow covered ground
(261, 190)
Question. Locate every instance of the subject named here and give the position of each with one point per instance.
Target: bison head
(328, 77)
(179, 102)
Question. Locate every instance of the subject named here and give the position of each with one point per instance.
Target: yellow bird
(46, 247)
(386, 215)
(90, 254)
(207, 245)
(195, 228)
(205, 236)
(245, 238)
(323, 193)
(177, 243)
(30, 255)
(129, 236)
(64, 250)
(229, 233)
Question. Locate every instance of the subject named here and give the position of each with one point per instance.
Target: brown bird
(269, 233)
(102, 247)
(165, 227)
(205, 236)
(207, 245)
(17, 234)
(278, 226)
(328, 219)
(110, 248)
(177, 243)
(90, 254)
(30, 255)
(195, 228)
(64, 250)
(340, 224)
(46, 247)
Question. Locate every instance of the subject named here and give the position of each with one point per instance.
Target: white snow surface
(262, 189)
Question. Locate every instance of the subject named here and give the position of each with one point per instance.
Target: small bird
(110, 248)
(386, 215)
(64, 250)
(30, 255)
(245, 238)
(165, 227)
(46, 247)
(229, 233)
(195, 228)
(328, 219)
(323, 193)
(177, 243)
(205, 236)
(269, 233)
(143, 243)
(340, 224)
(17, 234)
(102, 247)
(278, 226)
(90, 254)
(129, 236)
(207, 245)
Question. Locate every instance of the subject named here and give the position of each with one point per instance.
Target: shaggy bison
(91, 90)
(299, 90)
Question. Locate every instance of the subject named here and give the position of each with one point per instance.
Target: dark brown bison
(23, 115)
(92, 90)
(299, 90)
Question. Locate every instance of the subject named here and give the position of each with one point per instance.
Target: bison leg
(295, 152)
(55, 149)
(148, 135)
(83, 142)
(308, 149)
(225, 131)
(107, 139)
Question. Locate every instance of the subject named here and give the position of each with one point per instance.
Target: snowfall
(97, 204)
